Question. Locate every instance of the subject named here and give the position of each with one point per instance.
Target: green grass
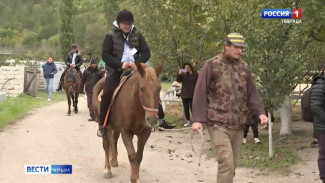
(285, 154)
(18, 107)
(165, 86)
(257, 155)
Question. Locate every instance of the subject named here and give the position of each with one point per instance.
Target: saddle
(125, 75)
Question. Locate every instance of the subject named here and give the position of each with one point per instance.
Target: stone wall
(12, 80)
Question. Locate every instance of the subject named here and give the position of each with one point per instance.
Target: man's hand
(197, 127)
(133, 66)
(72, 65)
(125, 65)
(264, 119)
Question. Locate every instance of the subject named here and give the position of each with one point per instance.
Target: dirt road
(47, 136)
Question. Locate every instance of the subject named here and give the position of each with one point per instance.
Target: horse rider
(73, 60)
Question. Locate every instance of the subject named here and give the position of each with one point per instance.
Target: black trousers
(254, 128)
(161, 114)
(90, 105)
(187, 105)
(321, 156)
(111, 82)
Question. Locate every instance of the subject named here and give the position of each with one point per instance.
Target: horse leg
(142, 139)
(127, 140)
(76, 103)
(69, 104)
(106, 146)
(114, 161)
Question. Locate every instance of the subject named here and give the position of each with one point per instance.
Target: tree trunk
(285, 115)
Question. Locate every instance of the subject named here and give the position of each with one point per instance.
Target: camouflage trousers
(227, 143)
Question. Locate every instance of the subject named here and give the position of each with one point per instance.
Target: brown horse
(71, 86)
(134, 112)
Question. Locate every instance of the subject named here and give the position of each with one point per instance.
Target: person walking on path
(188, 78)
(49, 69)
(223, 94)
(89, 78)
(252, 121)
(317, 105)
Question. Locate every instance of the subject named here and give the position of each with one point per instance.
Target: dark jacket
(224, 92)
(188, 84)
(113, 47)
(78, 60)
(90, 77)
(317, 104)
(49, 69)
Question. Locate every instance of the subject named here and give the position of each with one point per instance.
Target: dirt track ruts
(48, 136)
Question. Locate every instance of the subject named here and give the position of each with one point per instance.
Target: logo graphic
(48, 169)
(281, 13)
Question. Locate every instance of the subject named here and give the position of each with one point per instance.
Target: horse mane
(70, 75)
(150, 73)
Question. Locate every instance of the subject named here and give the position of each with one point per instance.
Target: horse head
(149, 91)
(71, 80)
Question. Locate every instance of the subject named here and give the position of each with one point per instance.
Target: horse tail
(96, 91)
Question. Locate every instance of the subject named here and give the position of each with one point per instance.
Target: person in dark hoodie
(49, 69)
(188, 78)
(90, 77)
(317, 105)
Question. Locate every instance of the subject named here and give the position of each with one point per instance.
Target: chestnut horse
(71, 86)
(134, 112)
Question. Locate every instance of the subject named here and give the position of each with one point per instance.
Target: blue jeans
(49, 87)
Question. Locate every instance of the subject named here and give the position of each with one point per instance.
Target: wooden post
(271, 154)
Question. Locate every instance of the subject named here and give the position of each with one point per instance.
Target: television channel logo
(48, 169)
(281, 13)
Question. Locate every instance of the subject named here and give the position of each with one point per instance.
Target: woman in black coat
(188, 78)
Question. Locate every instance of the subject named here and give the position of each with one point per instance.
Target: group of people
(220, 96)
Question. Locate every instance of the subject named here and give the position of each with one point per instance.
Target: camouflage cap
(236, 39)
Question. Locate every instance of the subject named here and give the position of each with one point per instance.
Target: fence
(31, 79)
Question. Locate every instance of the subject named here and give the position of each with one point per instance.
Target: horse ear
(159, 69)
(140, 69)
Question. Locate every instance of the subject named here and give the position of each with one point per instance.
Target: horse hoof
(107, 175)
(76, 112)
(69, 114)
(114, 163)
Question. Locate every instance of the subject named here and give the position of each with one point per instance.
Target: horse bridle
(144, 107)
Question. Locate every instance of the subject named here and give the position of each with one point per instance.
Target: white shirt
(74, 58)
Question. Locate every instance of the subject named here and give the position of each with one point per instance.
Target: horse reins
(147, 108)
(143, 106)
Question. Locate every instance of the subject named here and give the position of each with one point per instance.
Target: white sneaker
(244, 140)
(256, 140)
(188, 124)
(49, 99)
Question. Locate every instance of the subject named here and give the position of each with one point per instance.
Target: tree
(66, 30)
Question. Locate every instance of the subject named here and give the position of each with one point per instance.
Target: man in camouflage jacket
(224, 92)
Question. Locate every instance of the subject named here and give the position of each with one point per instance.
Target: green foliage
(66, 31)
(18, 107)
(278, 54)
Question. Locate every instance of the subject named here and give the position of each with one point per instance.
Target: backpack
(306, 114)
